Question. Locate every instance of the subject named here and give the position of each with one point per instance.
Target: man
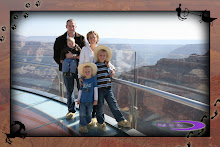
(61, 43)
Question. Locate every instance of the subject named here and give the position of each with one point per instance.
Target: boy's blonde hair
(103, 50)
(93, 32)
(87, 67)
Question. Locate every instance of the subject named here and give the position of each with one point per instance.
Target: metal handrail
(171, 85)
(186, 101)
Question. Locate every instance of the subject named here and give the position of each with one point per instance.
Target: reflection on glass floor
(46, 117)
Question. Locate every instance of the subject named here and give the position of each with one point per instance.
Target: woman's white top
(87, 55)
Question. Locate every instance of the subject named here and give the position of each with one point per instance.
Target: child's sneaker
(124, 123)
(83, 129)
(94, 121)
(69, 115)
(91, 124)
(101, 126)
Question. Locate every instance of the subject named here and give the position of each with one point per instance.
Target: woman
(87, 55)
(87, 52)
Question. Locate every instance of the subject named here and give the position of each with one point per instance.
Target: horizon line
(121, 38)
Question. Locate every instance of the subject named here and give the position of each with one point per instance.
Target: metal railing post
(61, 86)
(134, 99)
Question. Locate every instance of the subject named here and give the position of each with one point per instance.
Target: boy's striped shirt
(103, 75)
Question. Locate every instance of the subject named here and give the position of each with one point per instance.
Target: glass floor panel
(46, 117)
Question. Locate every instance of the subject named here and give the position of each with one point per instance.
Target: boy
(88, 95)
(103, 55)
(69, 69)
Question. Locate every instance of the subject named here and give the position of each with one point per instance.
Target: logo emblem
(196, 125)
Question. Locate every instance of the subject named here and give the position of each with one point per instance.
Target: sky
(129, 25)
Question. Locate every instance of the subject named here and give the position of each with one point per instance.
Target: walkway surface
(46, 117)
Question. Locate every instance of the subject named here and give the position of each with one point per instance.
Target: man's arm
(83, 42)
(63, 54)
(80, 40)
(57, 51)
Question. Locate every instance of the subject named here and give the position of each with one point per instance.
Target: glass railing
(36, 76)
(149, 107)
(160, 90)
(41, 72)
(124, 61)
(188, 79)
(178, 69)
(143, 106)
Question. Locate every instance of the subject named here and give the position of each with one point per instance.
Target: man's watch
(74, 56)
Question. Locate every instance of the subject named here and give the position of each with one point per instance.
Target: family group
(90, 66)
